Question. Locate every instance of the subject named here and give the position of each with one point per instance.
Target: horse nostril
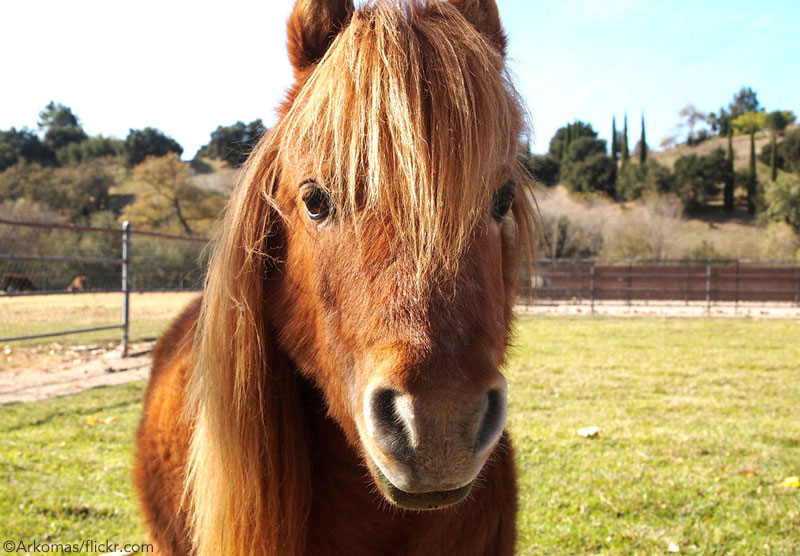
(390, 429)
(493, 421)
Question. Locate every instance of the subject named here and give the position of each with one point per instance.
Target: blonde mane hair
(408, 116)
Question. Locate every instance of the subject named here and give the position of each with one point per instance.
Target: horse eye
(503, 199)
(317, 203)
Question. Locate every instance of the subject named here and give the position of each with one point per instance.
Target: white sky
(187, 67)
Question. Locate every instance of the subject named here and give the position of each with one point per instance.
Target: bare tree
(690, 117)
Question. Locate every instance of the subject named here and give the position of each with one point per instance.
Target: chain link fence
(59, 279)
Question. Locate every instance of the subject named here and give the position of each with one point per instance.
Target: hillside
(741, 149)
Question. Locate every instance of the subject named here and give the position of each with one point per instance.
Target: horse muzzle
(425, 453)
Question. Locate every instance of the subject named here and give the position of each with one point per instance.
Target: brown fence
(643, 281)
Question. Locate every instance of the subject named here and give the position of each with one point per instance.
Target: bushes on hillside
(782, 200)
(141, 143)
(73, 190)
(699, 178)
(544, 169)
(635, 180)
(233, 143)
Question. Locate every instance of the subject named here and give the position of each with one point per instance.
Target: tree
(697, 178)
(22, 144)
(720, 123)
(169, 200)
(141, 143)
(76, 191)
(730, 178)
(61, 127)
(625, 152)
(637, 180)
(691, 116)
(766, 155)
(643, 146)
(752, 181)
(614, 143)
(544, 169)
(90, 149)
(566, 134)
(751, 122)
(595, 173)
(789, 151)
(744, 101)
(773, 162)
(782, 200)
(586, 167)
(233, 143)
(779, 120)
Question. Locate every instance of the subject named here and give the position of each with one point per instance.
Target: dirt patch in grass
(56, 370)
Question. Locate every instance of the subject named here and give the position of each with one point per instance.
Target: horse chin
(419, 501)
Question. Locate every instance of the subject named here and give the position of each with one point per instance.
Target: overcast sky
(186, 67)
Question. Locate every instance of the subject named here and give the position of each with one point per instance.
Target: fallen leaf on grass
(96, 421)
(791, 482)
(589, 432)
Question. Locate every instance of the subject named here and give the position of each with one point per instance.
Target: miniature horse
(337, 389)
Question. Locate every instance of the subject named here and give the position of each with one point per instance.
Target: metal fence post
(686, 291)
(630, 283)
(593, 281)
(126, 285)
(708, 288)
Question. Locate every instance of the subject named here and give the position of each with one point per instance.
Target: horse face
(410, 373)
(407, 357)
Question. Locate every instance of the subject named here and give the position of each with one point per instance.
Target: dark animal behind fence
(11, 283)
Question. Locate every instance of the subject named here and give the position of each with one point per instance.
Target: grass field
(699, 424)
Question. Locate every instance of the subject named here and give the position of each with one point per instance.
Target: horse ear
(484, 16)
(311, 29)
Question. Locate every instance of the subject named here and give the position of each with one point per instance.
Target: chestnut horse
(341, 372)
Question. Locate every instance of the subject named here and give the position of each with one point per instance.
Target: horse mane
(406, 115)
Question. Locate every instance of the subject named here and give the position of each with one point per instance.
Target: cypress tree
(774, 158)
(614, 145)
(730, 178)
(625, 153)
(643, 146)
(751, 181)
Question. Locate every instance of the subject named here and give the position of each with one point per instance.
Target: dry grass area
(653, 228)
(741, 148)
(150, 314)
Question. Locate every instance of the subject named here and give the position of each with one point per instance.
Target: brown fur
(78, 284)
(255, 436)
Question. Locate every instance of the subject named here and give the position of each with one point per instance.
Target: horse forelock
(411, 115)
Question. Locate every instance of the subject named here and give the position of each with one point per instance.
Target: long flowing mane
(405, 116)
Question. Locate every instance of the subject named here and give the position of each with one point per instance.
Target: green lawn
(699, 418)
